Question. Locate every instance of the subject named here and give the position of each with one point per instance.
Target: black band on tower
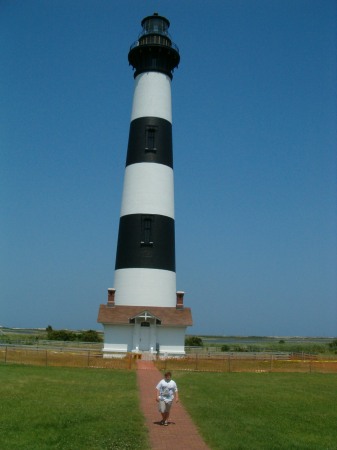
(150, 140)
(146, 241)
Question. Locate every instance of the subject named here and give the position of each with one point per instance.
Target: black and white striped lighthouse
(145, 261)
(145, 272)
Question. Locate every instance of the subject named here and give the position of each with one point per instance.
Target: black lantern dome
(154, 49)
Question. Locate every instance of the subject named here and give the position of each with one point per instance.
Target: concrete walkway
(181, 433)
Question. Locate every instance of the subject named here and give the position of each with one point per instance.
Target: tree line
(67, 335)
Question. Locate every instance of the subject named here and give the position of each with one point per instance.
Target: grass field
(46, 408)
(262, 411)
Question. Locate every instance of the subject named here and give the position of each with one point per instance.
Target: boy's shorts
(164, 406)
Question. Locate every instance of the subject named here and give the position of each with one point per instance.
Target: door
(144, 337)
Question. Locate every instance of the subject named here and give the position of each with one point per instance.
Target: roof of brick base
(121, 315)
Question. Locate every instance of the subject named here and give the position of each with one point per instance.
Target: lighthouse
(144, 311)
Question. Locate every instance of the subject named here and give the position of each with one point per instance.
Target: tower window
(147, 222)
(150, 144)
(145, 324)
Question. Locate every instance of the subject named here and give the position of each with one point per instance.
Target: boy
(167, 390)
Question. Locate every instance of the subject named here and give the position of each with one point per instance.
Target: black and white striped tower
(145, 260)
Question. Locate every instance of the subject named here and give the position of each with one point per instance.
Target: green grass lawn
(69, 409)
(262, 411)
(89, 409)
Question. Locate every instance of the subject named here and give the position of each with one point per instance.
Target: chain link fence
(251, 362)
(63, 357)
(210, 362)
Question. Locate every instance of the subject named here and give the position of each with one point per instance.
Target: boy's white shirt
(166, 390)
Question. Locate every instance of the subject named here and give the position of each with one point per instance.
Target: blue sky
(254, 132)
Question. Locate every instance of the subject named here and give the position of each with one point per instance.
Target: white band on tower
(152, 96)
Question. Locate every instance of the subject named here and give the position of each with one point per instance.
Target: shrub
(193, 341)
(89, 336)
(225, 348)
(61, 335)
(333, 344)
(240, 348)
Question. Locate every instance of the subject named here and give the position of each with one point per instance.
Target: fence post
(6, 355)
(229, 363)
(46, 358)
(88, 358)
(196, 361)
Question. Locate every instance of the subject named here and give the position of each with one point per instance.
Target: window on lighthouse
(150, 144)
(147, 231)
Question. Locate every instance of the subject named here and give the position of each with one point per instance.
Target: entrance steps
(148, 356)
